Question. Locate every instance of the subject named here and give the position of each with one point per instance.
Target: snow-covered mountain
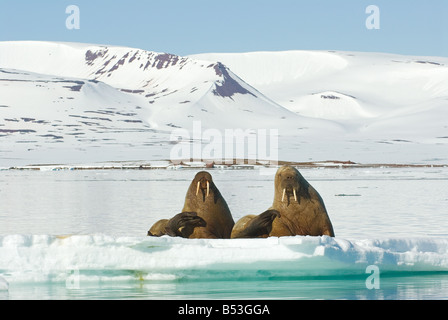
(70, 102)
(172, 90)
(370, 92)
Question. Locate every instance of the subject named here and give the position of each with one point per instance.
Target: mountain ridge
(84, 97)
(153, 75)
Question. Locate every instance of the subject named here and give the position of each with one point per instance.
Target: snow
(127, 101)
(377, 92)
(43, 258)
(166, 84)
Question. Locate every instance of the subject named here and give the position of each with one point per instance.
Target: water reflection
(417, 287)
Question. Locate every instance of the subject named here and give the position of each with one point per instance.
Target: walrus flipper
(260, 226)
(158, 228)
(183, 224)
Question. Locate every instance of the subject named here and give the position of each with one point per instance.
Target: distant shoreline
(206, 165)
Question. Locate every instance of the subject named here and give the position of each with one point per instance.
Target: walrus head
(290, 186)
(204, 186)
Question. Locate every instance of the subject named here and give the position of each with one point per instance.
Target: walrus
(205, 213)
(300, 210)
(204, 198)
(181, 225)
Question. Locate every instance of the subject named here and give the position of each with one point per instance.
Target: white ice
(105, 258)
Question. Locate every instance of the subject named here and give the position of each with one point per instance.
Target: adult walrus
(205, 213)
(298, 209)
(204, 198)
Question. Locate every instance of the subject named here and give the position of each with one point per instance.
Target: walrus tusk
(197, 188)
(283, 196)
(208, 188)
(295, 196)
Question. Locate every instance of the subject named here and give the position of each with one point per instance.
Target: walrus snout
(289, 192)
(290, 189)
(204, 185)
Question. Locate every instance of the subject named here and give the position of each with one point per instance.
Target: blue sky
(185, 27)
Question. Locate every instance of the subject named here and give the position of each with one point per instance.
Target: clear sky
(414, 27)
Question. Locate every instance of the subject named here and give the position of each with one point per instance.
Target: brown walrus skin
(301, 210)
(181, 225)
(204, 200)
(253, 226)
(158, 229)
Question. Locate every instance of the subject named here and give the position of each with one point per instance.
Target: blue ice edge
(48, 258)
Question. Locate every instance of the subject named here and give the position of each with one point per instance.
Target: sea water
(82, 235)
